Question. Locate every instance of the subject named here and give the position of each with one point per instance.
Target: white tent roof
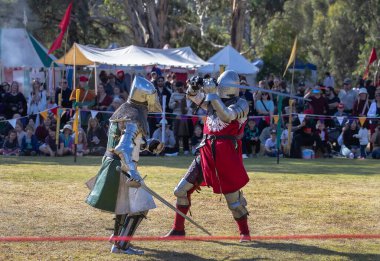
(232, 59)
(133, 56)
(18, 48)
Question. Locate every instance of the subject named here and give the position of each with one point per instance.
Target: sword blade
(254, 88)
(166, 203)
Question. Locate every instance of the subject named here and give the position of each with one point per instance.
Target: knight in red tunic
(220, 163)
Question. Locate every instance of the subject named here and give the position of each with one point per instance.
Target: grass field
(45, 197)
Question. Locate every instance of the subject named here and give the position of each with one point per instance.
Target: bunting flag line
(275, 119)
(292, 57)
(301, 117)
(44, 114)
(13, 122)
(93, 113)
(362, 120)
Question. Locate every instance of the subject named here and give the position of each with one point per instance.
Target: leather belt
(111, 155)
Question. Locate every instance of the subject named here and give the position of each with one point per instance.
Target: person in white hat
(361, 105)
(66, 141)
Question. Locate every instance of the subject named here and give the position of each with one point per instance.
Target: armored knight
(220, 163)
(112, 190)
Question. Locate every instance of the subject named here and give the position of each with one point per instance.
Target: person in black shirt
(66, 92)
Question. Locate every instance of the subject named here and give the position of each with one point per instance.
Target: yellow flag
(275, 119)
(292, 56)
(362, 120)
(44, 114)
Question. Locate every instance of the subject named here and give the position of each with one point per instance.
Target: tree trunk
(237, 25)
(148, 21)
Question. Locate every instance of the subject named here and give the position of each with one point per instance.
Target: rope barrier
(190, 238)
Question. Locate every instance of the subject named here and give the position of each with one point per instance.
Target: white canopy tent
(132, 56)
(232, 59)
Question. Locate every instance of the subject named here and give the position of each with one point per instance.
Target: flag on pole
(63, 26)
(292, 57)
(372, 58)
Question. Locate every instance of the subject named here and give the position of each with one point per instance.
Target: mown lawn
(45, 197)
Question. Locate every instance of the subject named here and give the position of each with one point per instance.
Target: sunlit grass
(45, 197)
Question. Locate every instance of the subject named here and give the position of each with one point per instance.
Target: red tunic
(228, 164)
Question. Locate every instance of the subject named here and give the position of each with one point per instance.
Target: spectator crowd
(329, 121)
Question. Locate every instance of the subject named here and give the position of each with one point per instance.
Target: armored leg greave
(125, 226)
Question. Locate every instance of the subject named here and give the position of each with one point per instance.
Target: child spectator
(284, 139)
(49, 148)
(20, 132)
(10, 146)
(96, 138)
(66, 141)
(29, 144)
(251, 138)
(196, 139)
(363, 139)
(82, 144)
(271, 145)
(323, 142)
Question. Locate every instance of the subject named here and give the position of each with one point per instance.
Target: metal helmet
(196, 82)
(144, 92)
(225, 82)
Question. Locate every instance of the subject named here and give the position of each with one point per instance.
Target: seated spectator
(96, 138)
(42, 131)
(170, 146)
(86, 95)
(20, 132)
(37, 99)
(304, 136)
(196, 139)
(251, 139)
(340, 113)
(347, 96)
(323, 143)
(363, 136)
(10, 146)
(66, 92)
(332, 100)
(375, 140)
(264, 107)
(351, 144)
(29, 145)
(66, 141)
(361, 105)
(103, 100)
(49, 148)
(117, 93)
(374, 109)
(265, 133)
(116, 103)
(82, 144)
(271, 145)
(15, 102)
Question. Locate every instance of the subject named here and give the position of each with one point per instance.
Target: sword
(254, 88)
(166, 203)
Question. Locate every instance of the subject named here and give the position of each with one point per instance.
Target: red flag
(372, 58)
(63, 26)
